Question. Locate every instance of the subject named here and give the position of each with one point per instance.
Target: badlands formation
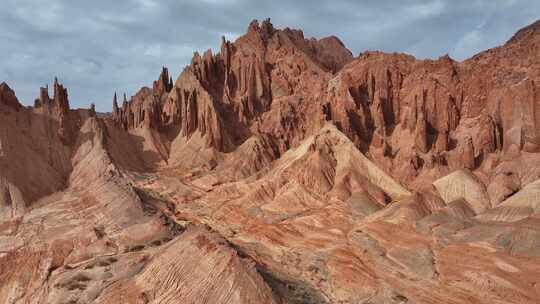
(282, 170)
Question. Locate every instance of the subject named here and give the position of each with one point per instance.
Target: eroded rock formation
(281, 170)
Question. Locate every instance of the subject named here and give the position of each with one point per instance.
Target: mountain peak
(331, 180)
(163, 84)
(264, 27)
(526, 33)
(7, 96)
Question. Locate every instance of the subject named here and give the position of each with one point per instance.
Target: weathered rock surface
(198, 267)
(302, 174)
(463, 184)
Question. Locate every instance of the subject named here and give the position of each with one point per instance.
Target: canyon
(282, 169)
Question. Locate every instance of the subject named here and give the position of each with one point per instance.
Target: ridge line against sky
(100, 47)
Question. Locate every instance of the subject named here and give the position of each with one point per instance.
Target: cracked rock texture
(282, 170)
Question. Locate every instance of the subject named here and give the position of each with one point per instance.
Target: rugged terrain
(282, 170)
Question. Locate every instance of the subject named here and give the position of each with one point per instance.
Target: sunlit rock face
(281, 170)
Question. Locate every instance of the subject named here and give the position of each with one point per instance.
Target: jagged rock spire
(265, 29)
(60, 98)
(164, 83)
(44, 99)
(7, 96)
(59, 103)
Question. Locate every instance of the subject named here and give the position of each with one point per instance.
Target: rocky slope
(282, 170)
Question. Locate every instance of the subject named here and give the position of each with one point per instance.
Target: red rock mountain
(282, 170)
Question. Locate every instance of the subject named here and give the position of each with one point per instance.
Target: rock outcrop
(36, 147)
(224, 96)
(8, 98)
(198, 267)
(281, 170)
(58, 105)
(452, 112)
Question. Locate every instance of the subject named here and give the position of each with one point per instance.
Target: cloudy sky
(101, 46)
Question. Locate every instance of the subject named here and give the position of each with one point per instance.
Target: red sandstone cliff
(278, 84)
(322, 178)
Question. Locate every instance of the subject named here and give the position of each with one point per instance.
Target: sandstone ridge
(281, 169)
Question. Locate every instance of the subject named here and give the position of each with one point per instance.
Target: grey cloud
(98, 47)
